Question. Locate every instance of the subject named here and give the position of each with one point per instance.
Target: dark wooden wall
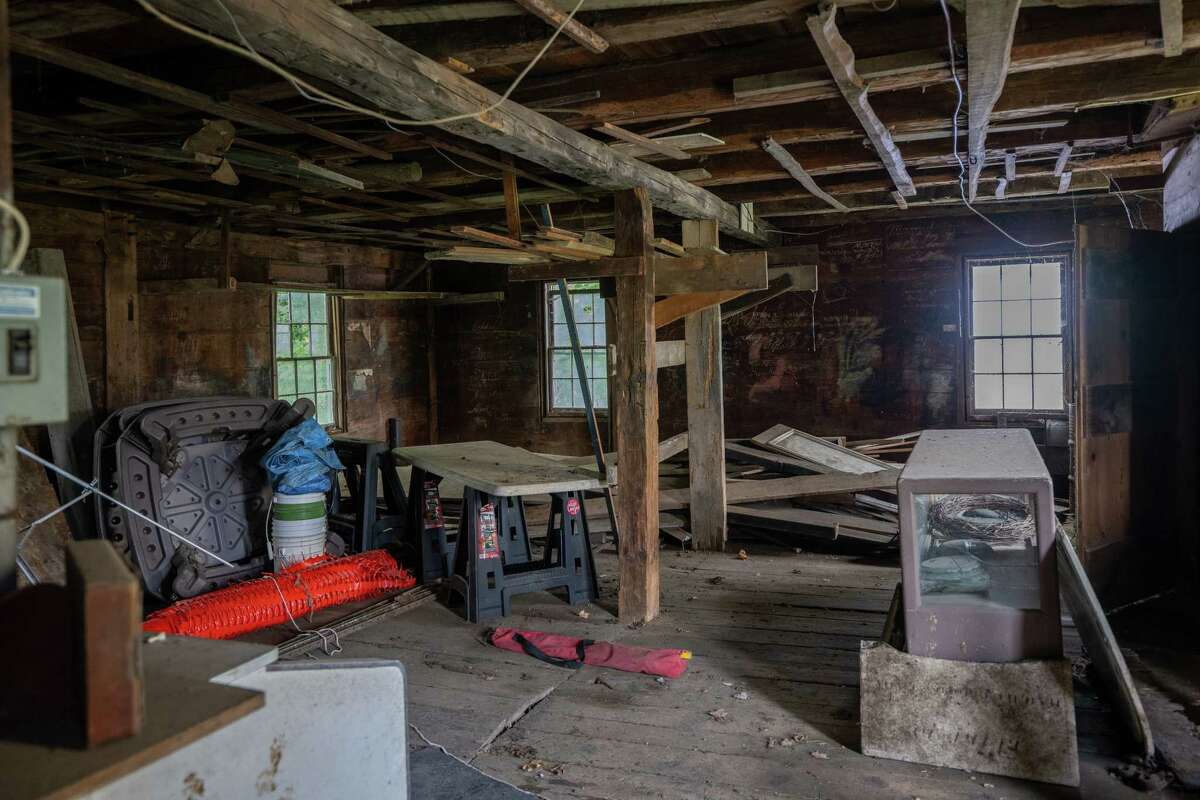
(877, 351)
(208, 343)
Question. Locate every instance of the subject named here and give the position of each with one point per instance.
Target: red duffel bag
(572, 652)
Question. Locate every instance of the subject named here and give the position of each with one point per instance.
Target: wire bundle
(311, 585)
(956, 516)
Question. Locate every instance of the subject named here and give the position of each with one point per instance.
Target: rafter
(330, 44)
(990, 28)
(554, 16)
(793, 167)
(839, 57)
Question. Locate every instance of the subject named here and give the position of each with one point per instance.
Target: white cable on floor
(469, 765)
(311, 92)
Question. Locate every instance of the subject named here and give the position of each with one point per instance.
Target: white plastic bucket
(294, 540)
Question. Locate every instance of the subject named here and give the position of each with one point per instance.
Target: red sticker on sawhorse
(572, 506)
(432, 506)
(489, 542)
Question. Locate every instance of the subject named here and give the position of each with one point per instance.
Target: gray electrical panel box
(33, 350)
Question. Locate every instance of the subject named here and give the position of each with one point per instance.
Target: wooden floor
(768, 708)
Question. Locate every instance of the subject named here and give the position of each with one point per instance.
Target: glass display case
(977, 547)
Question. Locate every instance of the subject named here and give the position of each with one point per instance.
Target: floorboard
(767, 709)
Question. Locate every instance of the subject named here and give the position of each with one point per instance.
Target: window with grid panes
(1016, 352)
(562, 380)
(304, 353)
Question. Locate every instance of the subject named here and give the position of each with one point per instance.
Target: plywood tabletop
(500, 470)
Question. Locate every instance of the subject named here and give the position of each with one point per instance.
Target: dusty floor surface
(768, 708)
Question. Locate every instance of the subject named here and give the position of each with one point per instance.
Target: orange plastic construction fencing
(309, 586)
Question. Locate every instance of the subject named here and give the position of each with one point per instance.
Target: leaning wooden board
(819, 454)
(1102, 645)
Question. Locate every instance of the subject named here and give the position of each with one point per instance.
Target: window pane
(1018, 391)
(1047, 355)
(320, 340)
(556, 308)
(985, 283)
(306, 380)
(1046, 281)
(562, 337)
(561, 397)
(600, 363)
(283, 341)
(1015, 314)
(300, 340)
(988, 391)
(599, 334)
(1046, 316)
(318, 308)
(325, 408)
(282, 308)
(1014, 282)
(600, 393)
(1017, 355)
(1048, 392)
(987, 355)
(299, 307)
(583, 305)
(285, 377)
(585, 334)
(986, 319)
(562, 365)
(324, 369)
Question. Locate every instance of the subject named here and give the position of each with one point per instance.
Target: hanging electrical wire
(13, 267)
(317, 95)
(962, 167)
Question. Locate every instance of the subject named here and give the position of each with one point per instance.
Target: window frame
(1066, 317)
(334, 336)
(547, 358)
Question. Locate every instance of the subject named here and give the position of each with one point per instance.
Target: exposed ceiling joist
(331, 44)
(839, 57)
(556, 17)
(793, 167)
(425, 13)
(990, 28)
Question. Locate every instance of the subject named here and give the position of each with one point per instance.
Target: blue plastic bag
(302, 460)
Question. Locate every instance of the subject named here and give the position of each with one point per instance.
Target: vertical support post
(512, 202)
(635, 398)
(705, 407)
(122, 351)
(431, 360)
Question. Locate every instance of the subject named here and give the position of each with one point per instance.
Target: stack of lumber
(824, 489)
(547, 243)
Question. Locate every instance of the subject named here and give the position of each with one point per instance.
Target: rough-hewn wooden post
(635, 398)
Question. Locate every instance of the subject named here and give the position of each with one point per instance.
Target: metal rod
(589, 409)
(53, 468)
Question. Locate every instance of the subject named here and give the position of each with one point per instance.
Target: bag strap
(570, 663)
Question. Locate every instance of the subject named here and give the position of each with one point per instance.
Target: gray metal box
(977, 548)
(33, 350)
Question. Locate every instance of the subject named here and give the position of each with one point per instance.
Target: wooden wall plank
(122, 347)
(635, 399)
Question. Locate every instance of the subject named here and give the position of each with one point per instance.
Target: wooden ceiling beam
(793, 168)
(840, 59)
(266, 119)
(703, 84)
(496, 48)
(426, 13)
(331, 44)
(990, 28)
(555, 17)
(1171, 14)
